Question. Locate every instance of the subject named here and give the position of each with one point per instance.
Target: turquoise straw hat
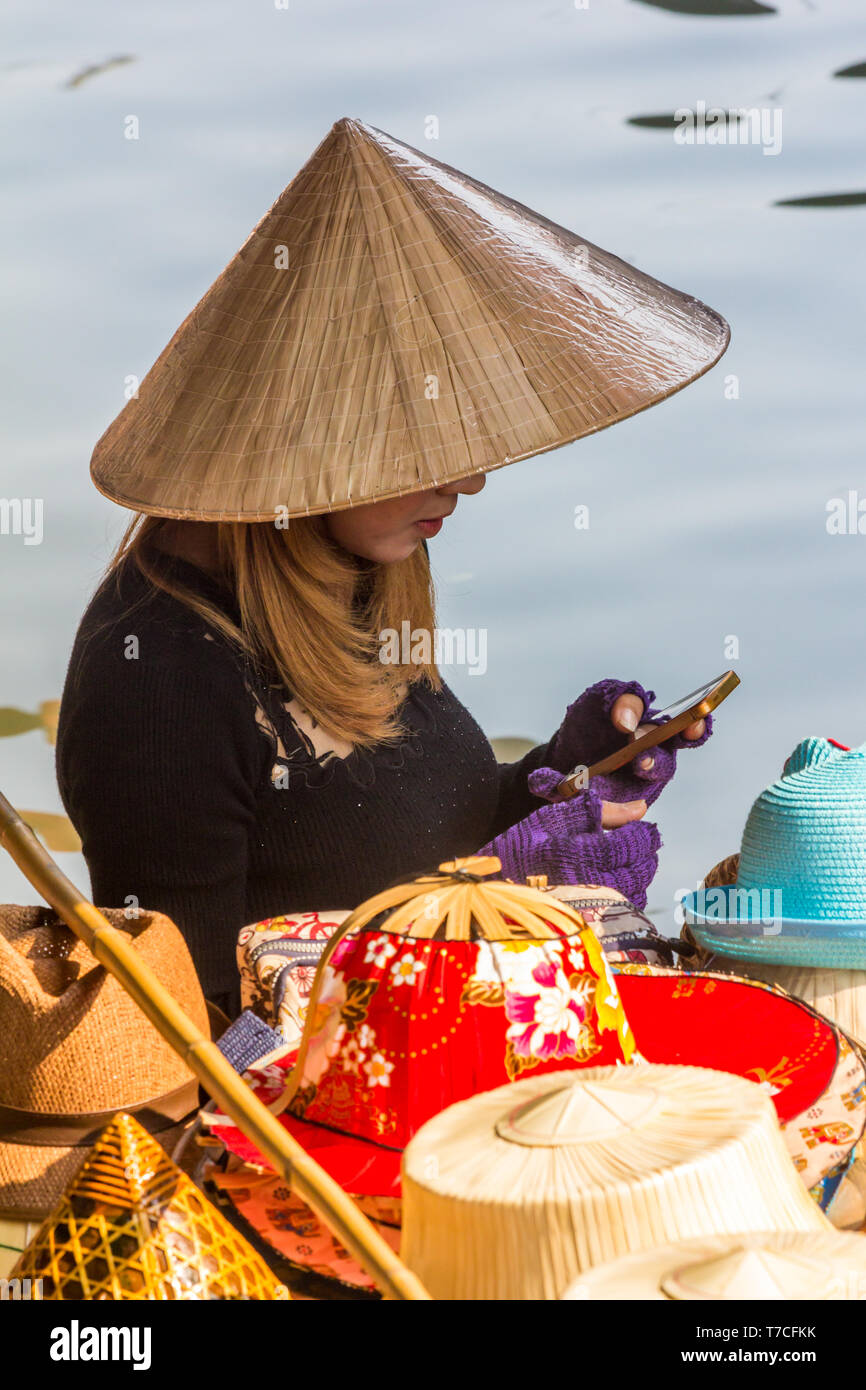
(800, 891)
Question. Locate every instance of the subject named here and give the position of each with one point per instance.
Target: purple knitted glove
(586, 735)
(565, 841)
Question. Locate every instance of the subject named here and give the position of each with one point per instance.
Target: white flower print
(404, 970)
(379, 1070)
(379, 951)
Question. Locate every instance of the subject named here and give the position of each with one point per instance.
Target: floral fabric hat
(432, 992)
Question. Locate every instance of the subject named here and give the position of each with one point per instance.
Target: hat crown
(805, 836)
(581, 1113)
(447, 985)
(71, 1039)
(750, 1272)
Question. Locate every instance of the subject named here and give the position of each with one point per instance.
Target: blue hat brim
(733, 922)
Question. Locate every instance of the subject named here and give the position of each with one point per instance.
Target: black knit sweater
(184, 804)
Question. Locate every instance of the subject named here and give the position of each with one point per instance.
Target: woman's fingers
(616, 813)
(626, 713)
(695, 730)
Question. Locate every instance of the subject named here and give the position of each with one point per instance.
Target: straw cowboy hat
(75, 1049)
(799, 895)
(428, 993)
(389, 326)
(131, 1225)
(514, 1193)
(813, 1265)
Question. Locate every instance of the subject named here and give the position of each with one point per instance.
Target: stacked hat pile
(442, 1004)
(790, 908)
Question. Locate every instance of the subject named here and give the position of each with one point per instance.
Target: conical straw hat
(389, 326)
(785, 1265)
(131, 1225)
(514, 1193)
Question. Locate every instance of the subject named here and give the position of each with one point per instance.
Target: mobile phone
(677, 716)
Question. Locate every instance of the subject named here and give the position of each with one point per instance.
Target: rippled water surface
(707, 514)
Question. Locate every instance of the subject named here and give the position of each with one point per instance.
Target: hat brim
(737, 922)
(739, 1026)
(34, 1177)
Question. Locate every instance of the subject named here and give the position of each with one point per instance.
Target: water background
(707, 515)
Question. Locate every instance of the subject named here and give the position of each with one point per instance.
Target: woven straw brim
(33, 1177)
(829, 974)
(486, 1218)
(389, 326)
(841, 1257)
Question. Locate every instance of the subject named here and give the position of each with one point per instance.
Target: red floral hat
(432, 992)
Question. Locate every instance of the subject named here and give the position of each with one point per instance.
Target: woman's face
(388, 531)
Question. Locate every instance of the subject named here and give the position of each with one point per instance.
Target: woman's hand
(607, 715)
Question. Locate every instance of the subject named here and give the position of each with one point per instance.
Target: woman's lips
(431, 527)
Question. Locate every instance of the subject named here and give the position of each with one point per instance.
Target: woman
(230, 744)
(230, 748)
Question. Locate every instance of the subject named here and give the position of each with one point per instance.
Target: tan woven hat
(389, 326)
(514, 1193)
(75, 1048)
(814, 1265)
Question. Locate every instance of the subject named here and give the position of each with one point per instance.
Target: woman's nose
(474, 483)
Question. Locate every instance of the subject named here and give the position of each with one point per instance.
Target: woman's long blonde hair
(312, 613)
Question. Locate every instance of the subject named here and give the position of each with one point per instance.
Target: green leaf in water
(823, 200)
(719, 8)
(509, 750)
(94, 69)
(56, 832)
(855, 70)
(17, 721)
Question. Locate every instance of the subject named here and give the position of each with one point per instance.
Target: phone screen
(671, 711)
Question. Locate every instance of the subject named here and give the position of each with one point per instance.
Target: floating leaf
(823, 200)
(94, 69)
(508, 750)
(57, 832)
(17, 721)
(49, 712)
(722, 8)
(669, 121)
(855, 70)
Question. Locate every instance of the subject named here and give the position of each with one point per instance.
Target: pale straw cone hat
(784, 1265)
(389, 326)
(75, 1048)
(516, 1192)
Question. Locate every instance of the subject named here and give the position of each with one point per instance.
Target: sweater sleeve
(157, 762)
(516, 801)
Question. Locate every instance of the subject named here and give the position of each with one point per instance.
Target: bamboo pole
(220, 1080)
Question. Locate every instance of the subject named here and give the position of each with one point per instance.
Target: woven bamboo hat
(74, 1048)
(131, 1225)
(813, 1265)
(389, 326)
(514, 1193)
